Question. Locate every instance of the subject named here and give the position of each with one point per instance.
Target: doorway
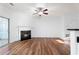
(4, 31)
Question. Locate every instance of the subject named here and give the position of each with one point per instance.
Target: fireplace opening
(77, 39)
(25, 35)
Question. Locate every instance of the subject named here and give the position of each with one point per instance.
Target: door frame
(8, 27)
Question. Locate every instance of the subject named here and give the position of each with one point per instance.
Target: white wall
(44, 26)
(18, 19)
(47, 26)
(71, 21)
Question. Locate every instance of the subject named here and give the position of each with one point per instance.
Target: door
(4, 31)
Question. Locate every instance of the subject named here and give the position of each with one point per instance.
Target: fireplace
(78, 39)
(74, 38)
(25, 35)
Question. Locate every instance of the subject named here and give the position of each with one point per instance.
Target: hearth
(25, 35)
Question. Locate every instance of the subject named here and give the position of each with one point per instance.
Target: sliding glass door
(4, 31)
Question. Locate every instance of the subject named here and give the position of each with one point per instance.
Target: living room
(43, 20)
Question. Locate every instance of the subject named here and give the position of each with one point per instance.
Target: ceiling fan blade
(11, 4)
(45, 10)
(35, 13)
(45, 13)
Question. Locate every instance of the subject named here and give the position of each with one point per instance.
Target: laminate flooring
(37, 46)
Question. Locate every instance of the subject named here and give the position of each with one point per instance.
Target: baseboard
(46, 38)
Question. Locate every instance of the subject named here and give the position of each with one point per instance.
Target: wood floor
(36, 47)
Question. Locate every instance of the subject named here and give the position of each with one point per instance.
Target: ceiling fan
(41, 11)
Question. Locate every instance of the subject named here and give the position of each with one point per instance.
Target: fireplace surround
(74, 41)
(24, 32)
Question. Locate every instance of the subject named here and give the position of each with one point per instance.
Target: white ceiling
(53, 8)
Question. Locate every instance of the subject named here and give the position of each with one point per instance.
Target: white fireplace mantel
(22, 28)
(74, 33)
